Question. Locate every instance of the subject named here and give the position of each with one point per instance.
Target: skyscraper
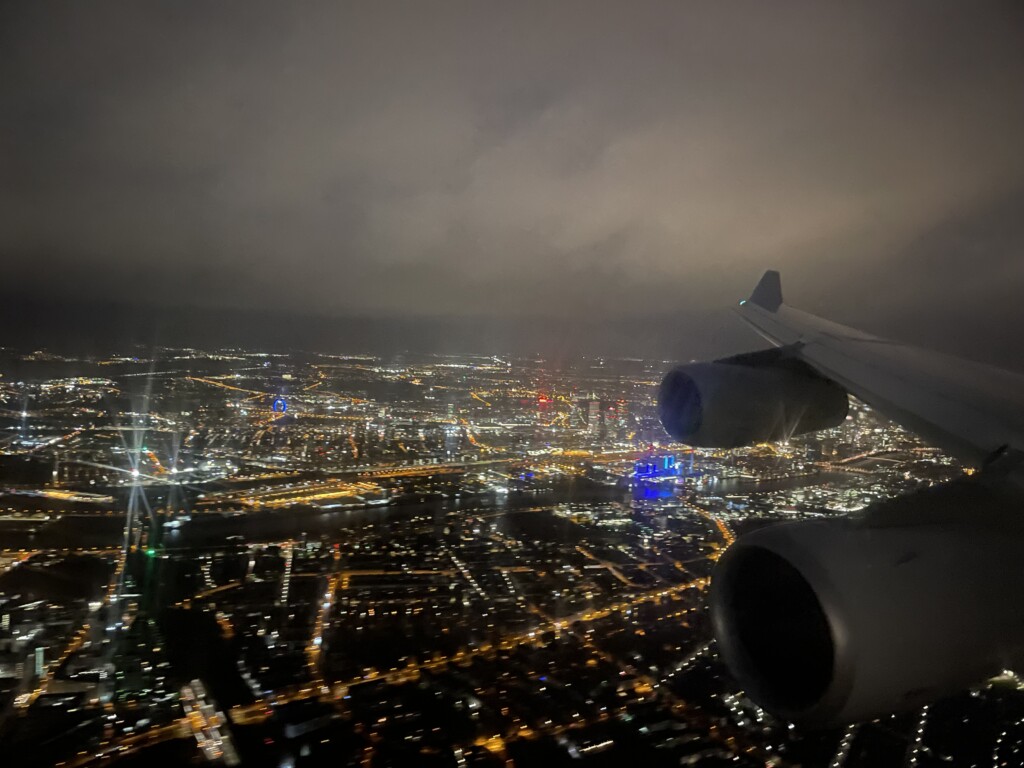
(594, 416)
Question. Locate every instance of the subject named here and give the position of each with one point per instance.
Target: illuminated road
(339, 579)
(64, 551)
(126, 745)
(612, 567)
(259, 711)
(215, 383)
(723, 528)
(314, 650)
(25, 700)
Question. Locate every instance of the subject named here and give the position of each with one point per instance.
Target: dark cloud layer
(487, 164)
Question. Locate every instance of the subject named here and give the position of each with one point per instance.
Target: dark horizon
(89, 329)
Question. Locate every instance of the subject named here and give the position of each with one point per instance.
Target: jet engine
(747, 399)
(839, 620)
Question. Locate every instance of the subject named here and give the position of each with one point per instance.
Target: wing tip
(768, 291)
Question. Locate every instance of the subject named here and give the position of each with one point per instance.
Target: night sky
(591, 176)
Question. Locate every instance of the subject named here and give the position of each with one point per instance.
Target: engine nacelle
(726, 404)
(840, 620)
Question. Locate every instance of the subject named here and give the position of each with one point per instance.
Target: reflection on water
(739, 485)
(211, 530)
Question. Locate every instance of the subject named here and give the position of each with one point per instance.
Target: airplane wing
(832, 619)
(971, 410)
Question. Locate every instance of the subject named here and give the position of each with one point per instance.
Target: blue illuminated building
(280, 406)
(656, 467)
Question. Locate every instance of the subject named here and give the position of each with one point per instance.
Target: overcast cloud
(513, 159)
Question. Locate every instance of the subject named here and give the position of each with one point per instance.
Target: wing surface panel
(969, 409)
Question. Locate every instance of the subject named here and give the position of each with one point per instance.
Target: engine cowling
(840, 620)
(727, 404)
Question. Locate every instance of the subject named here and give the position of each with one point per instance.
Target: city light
(478, 529)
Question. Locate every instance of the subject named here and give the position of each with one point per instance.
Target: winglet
(768, 293)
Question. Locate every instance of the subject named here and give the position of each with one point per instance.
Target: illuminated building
(656, 467)
(594, 416)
